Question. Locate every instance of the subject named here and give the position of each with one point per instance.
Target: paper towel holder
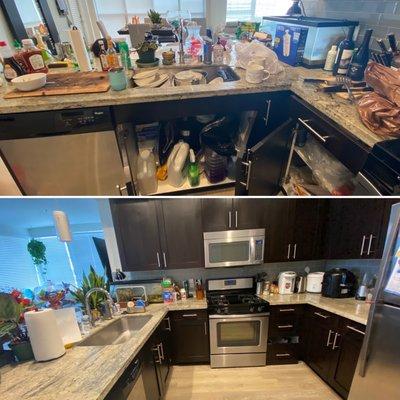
(62, 226)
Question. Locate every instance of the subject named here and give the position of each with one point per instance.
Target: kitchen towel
(79, 47)
(45, 336)
(68, 326)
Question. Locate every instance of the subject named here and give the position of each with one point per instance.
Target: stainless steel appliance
(65, 153)
(378, 369)
(238, 323)
(131, 385)
(234, 248)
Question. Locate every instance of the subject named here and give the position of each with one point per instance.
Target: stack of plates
(150, 79)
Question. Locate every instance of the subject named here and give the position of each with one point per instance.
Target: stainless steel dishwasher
(65, 153)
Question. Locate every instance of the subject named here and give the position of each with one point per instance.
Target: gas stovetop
(228, 304)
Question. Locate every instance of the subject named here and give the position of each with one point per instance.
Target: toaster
(339, 283)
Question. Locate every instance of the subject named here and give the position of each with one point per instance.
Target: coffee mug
(258, 61)
(256, 73)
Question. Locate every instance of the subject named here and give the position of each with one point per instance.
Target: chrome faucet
(181, 42)
(110, 303)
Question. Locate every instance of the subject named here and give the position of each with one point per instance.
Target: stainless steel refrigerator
(378, 371)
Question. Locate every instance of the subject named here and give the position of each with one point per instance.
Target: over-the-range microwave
(234, 248)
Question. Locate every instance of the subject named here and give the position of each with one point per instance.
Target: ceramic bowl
(28, 83)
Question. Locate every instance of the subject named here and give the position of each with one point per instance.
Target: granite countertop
(83, 372)
(339, 110)
(352, 309)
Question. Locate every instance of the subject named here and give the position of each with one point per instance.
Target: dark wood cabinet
(355, 228)
(158, 234)
(137, 229)
(190, 341)
(150, 378)
(217, 214)
(333, 347)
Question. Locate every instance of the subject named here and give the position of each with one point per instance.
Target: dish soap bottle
(194, 172)
(32, 57)
(218, 53)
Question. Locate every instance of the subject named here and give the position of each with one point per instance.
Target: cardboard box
(290, 42)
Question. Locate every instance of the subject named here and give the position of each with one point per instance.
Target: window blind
(247, 10)
(74, 14)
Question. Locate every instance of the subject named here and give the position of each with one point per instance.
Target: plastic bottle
(218, 53)
(330, 59)
(194, 172)
(32, 57)
(287, 44)
(147, 173)
(125, 55)
(112, 56)
(103, 57)
(11, 68)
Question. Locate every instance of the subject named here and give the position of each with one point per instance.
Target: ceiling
(19, 215)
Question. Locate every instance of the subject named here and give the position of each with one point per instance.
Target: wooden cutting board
(67, 83)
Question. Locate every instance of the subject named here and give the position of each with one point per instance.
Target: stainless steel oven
(238, 340)
(234, 248)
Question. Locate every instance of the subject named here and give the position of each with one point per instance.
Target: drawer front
(285, 311)
(284, 326)
(189, 315)
(282, 354)
(322, 317)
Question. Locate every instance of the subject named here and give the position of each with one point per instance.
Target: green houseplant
(37, 250)
(92, 280)
(10, 328)
(155, 18)
(147, 51)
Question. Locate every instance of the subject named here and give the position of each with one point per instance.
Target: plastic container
(124, 53)
(216, 166)
(194, 172)
(147, 173)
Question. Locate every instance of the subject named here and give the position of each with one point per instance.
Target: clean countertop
(352, 309)
(83, 372)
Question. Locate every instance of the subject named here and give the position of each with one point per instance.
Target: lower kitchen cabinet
(190, 341)
(333, 347)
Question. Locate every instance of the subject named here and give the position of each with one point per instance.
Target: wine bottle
(345, 53)
(361, 58)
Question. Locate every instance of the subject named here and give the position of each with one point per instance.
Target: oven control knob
(260, 309)
(252, 309)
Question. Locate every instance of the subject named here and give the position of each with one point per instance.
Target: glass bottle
(361, 58)
(112, 56)
(103, 57)
(345, 53)
(32, 57)
(194, 42)
(218, 53)
(11, 68)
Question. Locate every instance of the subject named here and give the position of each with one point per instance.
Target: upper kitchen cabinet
(183, 233)
(155, 235)
(355, 229)
(137, 228)
(228, 214)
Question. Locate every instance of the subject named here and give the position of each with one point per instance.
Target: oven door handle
(239, 316)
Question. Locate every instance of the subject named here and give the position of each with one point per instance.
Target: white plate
(145, 74)
(146, 82)
(159, 82)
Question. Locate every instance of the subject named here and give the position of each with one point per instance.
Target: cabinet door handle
(371, 238)
(230, 219)
(205, 328)
(328, 342)
(121, 190)
(283, 355)
(168, 328)
(268, 112)
(355, 330)
(362, 246)
(248, 166)
(334, 347)
(305, 123)
(288, 253)
(189, 315)
(287, 310)
(295, 251)
(158, 260)
(157, 349)
(162, 351)
(321, 315)
(165, 260)
(285, 326)
(236, 219)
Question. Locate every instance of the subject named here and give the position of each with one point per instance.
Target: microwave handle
(252, 250)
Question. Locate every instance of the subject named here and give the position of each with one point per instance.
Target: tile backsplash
(358, 267)
(383, 16)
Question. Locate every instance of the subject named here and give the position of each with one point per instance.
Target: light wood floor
(289, 382)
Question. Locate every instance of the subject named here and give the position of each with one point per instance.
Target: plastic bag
(379, 115)
(385, 81)
(246, 52)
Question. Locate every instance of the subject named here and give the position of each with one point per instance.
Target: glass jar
(194, 42)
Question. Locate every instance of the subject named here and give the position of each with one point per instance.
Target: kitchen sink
(118, 332)
(210, 71)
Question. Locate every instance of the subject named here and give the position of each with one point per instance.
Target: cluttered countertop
(348, 308)
(84, 372)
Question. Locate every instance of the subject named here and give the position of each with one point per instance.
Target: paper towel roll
(46, 339)
(68, 325)
(79, 47)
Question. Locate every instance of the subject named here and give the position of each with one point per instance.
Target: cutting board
(67, 83)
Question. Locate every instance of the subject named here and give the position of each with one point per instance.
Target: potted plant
(155, 19)
(11, 313)
(37, 250)
(147, 51)
(92, 280)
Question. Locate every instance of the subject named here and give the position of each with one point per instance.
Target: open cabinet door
(266, 163)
